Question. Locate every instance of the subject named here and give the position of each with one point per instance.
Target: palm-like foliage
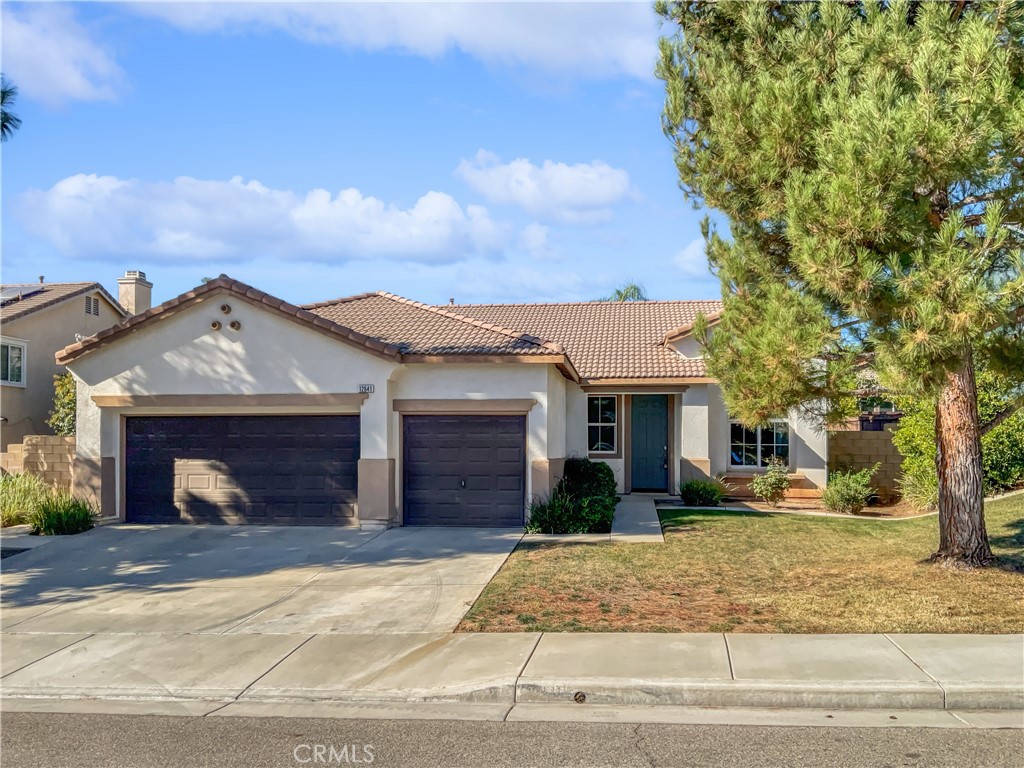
(9, 122)
(628, 292)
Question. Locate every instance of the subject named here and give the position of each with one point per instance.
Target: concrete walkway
(565, 675)
(636, 521)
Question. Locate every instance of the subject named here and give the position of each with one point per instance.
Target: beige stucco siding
(45, 332)
(183, 355)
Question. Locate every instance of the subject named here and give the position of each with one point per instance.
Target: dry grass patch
(753, 572)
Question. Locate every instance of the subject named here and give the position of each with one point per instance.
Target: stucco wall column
(695, 461)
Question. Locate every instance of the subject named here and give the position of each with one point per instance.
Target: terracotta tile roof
(220, 286)
(596, 340)
(37, 296)
(607, 340)
(420, 329)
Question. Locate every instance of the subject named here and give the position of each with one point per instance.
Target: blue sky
(505, 152)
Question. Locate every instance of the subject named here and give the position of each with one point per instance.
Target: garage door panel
(230, 469)
(464, 470)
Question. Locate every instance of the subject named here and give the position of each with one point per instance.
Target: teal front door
(649, 443)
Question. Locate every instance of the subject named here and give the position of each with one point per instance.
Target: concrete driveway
(130, 579)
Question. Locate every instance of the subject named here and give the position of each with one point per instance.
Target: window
(754, 446)
(12, 363)
(601, 423)
(92, 306)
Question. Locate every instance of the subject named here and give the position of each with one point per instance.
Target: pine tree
(868, 157)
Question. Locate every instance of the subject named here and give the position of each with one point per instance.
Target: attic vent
(92, 306)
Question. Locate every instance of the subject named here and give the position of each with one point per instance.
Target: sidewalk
(568, 675)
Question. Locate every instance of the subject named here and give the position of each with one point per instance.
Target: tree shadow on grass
(1010, 539)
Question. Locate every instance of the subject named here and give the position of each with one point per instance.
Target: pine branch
(1006, 413)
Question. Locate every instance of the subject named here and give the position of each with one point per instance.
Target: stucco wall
(482, 382)
(45, 331)
(575, 420)
(183, 355)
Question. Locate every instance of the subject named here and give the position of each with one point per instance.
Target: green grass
(751, 572)
(20, 496)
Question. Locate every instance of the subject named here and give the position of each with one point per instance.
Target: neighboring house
(36, 321)
(227, 404)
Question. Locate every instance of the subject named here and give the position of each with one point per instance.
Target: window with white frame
(602, 423)
(12, 363)
(755, 446)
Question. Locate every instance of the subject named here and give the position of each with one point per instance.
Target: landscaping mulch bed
(748, 571)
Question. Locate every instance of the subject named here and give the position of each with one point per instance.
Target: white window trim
(614, 425)
(757, 467)
(10, 340)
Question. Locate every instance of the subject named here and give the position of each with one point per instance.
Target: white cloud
(596, 39)
(535, 240)
(580, 194)
(692, 260)
(106, 217)
(51, 58)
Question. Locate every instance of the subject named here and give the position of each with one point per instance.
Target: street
(118, 741)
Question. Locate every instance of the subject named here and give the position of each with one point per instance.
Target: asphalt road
(118, 741)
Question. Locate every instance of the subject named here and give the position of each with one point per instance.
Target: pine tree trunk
(962, 537)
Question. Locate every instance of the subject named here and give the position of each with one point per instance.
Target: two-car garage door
(241, 469)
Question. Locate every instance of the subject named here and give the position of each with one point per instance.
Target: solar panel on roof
(16, 291)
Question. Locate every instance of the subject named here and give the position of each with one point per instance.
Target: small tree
(65, 397)
(870, 160)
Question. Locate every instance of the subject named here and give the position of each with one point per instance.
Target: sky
(481, 152)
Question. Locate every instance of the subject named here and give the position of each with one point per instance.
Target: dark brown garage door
(464, 470)
(242, 469)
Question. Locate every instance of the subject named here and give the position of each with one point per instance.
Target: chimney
(134, 292)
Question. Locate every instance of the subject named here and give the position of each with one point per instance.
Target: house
(226, 404)
(36, 321)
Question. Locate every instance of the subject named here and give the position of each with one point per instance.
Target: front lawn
(752, 572)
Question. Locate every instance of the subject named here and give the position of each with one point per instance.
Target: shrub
(583, 501)
(701, 493)
(921, 489)
(20, 496)
(848, 492)
(1002, 449)
(771, 487)
(583, 478)
(61, 513)
(65, 395)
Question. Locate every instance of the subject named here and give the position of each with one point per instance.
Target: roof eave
(686, 329)
(239, 290)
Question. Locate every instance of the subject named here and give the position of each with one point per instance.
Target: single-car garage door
(241, 469)
(464, 470)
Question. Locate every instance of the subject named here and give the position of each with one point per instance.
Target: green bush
(583, 501)
(1002, 449)
(65, 398)
(20, 496)
(848, 492)
(701, 493)
(61, 513)
(771, 487)
(584, 478)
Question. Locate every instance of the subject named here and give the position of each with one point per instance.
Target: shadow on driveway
(274, 580)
